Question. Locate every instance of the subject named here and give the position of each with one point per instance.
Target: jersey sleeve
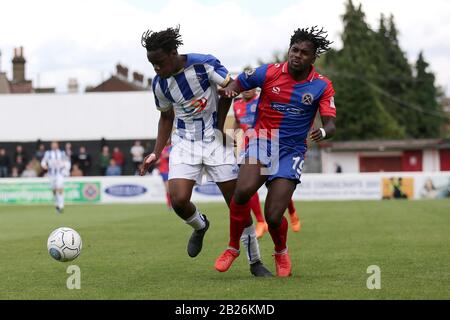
(162, 102)
(326, 103)
(252, 78)
(217, 73)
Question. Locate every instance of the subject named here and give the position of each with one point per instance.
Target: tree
(426, 94)
(394, 79)
(361, 115)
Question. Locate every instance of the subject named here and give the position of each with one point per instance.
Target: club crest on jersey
(307, 99)
(196, 106)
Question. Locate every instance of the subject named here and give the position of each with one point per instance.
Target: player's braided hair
(316, 36)
(167, 40)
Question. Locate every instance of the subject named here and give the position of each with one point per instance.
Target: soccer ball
(64, 244)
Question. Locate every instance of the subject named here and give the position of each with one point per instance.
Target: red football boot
(283, 264)
(225, 260)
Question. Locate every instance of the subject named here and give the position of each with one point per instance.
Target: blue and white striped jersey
(193, 94)
(57, 162)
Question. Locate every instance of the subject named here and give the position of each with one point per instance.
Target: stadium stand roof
(383, 145)
(90, 116)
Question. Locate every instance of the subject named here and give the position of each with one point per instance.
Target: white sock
(60, 200)
(196, 221)
(251, 245)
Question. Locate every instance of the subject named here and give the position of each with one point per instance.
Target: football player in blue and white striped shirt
(186, 94)
(57, 165)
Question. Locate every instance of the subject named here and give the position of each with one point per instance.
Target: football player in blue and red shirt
(291, 94)
(244, 114)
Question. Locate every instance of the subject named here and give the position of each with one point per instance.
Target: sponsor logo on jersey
(247, 119)
(126, 190)
(284, 107)
(196, 106)
(276, 90)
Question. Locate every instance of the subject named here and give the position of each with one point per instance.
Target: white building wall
(431, 162)
(349, 161)
(89, 116)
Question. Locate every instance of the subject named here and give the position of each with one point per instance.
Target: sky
(85, 39)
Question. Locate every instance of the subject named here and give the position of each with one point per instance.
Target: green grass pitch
(139, 252)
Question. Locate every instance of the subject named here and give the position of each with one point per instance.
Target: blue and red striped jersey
(245, 112)
(286, 104)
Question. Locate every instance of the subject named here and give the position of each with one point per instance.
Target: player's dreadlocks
(167, 40)
(316, 36)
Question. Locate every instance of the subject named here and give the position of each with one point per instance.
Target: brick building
(120, 82)
(423, 155)
(19, 83)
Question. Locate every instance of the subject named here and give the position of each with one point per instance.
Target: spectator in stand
(14, 172)
(83, 159)
(29, 171)
(20, 163)
(118, 156)
(39, 154)
(104, 160)
(113, 169)
(4, 163)
(20, 153)
(137, 154)
(103, 143)
(76, 171)
(36, 165)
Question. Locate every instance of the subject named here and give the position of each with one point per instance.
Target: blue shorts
(164, 176)
(279, 161)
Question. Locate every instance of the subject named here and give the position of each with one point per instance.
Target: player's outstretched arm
(231, 90)
(327, 131)
(164, 130)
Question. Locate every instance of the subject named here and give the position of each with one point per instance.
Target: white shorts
(188, 160)
(212, 153)
(57, 182)
(222, 173)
